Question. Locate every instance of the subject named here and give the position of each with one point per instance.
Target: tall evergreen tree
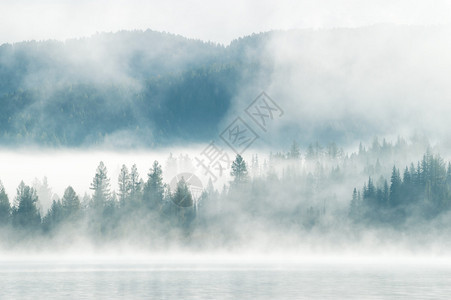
(54, 216)
(355, 205)
(386, 194)
(70, 202)
(135, 185)
(395, 188)
(124, 185)
(101, 186)
(182, 195)
(5, 206)
(26, 213)
(239, 170)
(154, 189)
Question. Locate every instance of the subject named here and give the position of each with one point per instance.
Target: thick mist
(350, 84)
(207, 21)
(126, 90)
(355, 107)
(294, 201)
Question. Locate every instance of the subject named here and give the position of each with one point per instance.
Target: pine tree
(26, 213)
(154, 189)
(124, 186)
(386, 194)
(54, 216)
(182, 195)
(5, 206)
(101, 186)
(70, 202)
(135, 185)
(395, 188)
(239, 170)
(354, 207)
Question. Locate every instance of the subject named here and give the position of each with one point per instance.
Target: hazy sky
(219, 21)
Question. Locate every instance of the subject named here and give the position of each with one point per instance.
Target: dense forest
(288, 193)
(423, 190)
(82, 92)
(148, 88)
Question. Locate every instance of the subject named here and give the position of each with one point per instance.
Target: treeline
(287, 192)
(139, 207)
(421, 190)
(101, 214)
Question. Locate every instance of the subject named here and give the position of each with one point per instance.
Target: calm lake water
(44, 280)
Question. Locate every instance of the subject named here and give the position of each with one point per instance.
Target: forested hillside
(158, 86)
(147, 88)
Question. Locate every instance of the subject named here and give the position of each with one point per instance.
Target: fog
(349, 85)
(339, 82)
(76, 168)
(339, 87)
(344, 84)
(225, 149)
(52, 19)
(294, 206)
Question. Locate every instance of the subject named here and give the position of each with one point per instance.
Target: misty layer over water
(296, 200)
(329, 280)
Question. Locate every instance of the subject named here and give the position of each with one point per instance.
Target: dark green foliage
(154, 188)
(239, 170)
(71, 202)
(54, 216)
(5, 206)
(135, 186)
(294, 195)
(101, 186)
(395, 188)
(54, 93)
(25, 213)
(182, 196)
(422, 192)
(124, 186)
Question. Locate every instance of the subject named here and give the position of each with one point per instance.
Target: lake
(231, 280)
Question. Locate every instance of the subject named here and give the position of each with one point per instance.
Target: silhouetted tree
(395, 187)
(182, 195)
(154, 189)
(5, 206)
(135, 185)
(354, 209)
(124, 186)
(54, 216)
(26, 213)
(70, 202)
(101, 186)
(239, 170)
